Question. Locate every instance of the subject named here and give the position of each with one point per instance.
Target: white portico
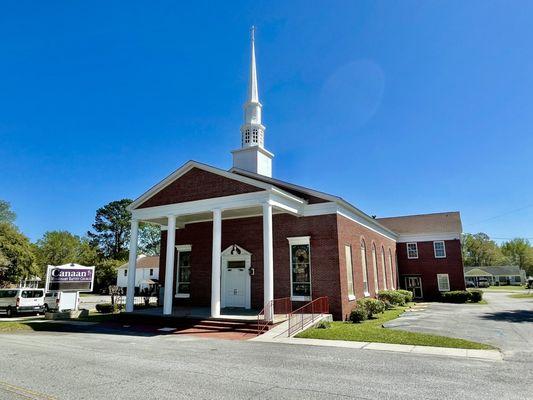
(266, 201)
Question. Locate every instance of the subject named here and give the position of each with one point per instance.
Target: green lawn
(522, 296)
(372, 331)
(9, 326)
(504, 288)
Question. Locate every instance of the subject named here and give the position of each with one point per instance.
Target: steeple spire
(252, 156)
(252, 130)
(253, 93)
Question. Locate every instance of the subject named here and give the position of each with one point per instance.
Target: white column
(169, 268)
(268, 261)
(134, 233)
(215, 263)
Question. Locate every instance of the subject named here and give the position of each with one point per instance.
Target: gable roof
(311, 195)
(495, 270)
(314, 196)
(447, 222)
(189, 165)
(477, 272)
(145, 262)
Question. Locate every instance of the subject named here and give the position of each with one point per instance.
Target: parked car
(61, 301)
(470, 284)
(21, 300)
(529, 284)
(483, 283)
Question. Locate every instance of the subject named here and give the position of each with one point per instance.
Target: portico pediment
(236, 250)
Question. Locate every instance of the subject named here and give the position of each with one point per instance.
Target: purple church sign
(70, 278)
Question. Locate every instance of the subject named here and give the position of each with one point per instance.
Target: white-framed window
(375, 266)
(439, 248)
(384, 268)
(412, 250)
(349, 271)
(443, 282)
(391, 269)
(364, 265)
(300, 260)
(183, 273)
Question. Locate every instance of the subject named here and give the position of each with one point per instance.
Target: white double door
(235, 281)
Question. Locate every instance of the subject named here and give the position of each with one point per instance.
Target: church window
(300, 260)
(183, 275)
(364, 265)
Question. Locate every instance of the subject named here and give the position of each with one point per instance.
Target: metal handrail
(308, 313)
(284, 303)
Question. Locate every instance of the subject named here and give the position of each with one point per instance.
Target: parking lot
(504, 322)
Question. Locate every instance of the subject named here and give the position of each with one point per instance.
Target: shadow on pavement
(510, 316)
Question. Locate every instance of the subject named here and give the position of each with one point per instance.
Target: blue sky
(399, 107)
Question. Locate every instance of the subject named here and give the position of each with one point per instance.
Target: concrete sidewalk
(491, 355)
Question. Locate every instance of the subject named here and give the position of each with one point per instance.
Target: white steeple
(252, 156)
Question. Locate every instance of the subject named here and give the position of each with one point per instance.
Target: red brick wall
(248, 233)
(198, 184)
(352, 233)
(427, 266)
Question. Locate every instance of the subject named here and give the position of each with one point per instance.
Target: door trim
(239, 254)
(406, 277)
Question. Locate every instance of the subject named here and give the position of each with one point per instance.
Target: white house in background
(146, 276)
(496, 275)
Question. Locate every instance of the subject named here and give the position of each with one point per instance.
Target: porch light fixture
(235, 249)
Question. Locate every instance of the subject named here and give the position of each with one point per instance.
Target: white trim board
(429, 237)
(189, 165)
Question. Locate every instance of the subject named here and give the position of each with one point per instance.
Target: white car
(21, 300)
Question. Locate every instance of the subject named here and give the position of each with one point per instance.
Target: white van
(21, 300)
(61, 301)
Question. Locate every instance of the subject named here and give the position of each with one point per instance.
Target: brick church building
(241, 238)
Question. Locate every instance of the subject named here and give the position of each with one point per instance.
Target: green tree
(6, 214)
(112, 232)
(519, 252)
(112, 229)
(149, 239)
(105, 274)
(479, 250)
(18, 258)
(62, 247)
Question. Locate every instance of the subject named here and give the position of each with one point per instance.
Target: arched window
(391, 270)
(383, 268)
(375, 265)
(364, 265)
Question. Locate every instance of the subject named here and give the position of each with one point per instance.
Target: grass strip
(373, 331)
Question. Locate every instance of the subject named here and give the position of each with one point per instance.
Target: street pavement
(105, 363)
(504, 322)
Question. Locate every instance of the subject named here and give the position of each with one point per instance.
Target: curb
(488, 355)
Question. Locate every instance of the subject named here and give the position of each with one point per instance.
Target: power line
(501, 215)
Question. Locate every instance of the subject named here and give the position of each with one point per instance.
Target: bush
(456, 296)
(476, 295)
(407, 294)
(388, 305)
(372, 306)
(358, 314)
(107, 308)
(323, 325)
(394, 297)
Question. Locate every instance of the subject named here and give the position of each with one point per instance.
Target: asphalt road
(504, 322)
(104, 364)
